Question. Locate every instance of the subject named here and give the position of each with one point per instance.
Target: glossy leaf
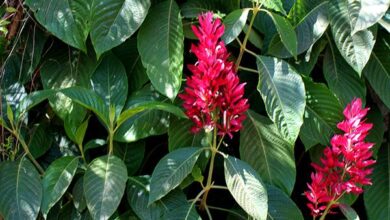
(276, 5)
(375, 136)
(163, 59)
(20, 190)
(365, 13)
(78, 195)
(193, 8)
(265, 150)
(104, 185)
(283, 92)
(40, 141)
(280, 206)
(246, 187)
(377, 196)
(308, 31)
(385, 21)
(147, 122)
(377, 71)
(323, 111)
(234, 23)
(31, 100)
(132, 154)
(171, 170)
(179, 135)
(341, 78)
(349, 212)
(110, 82)
(56, 181)
(286, 33)
(355, 48)
(89, 100)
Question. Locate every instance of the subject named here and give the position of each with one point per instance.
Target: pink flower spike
(346, 165)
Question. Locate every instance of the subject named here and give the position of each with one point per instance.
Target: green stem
(110, 141)
(248, 69)
(243, 45)
(28, 153)
(82, 153)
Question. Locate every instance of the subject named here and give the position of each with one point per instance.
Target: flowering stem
(208, 186)
(243, 45)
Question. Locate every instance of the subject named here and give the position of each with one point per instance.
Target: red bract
(345, 165)
(213, 97)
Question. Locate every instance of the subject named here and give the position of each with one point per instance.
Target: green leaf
(78, 195)
(144, 124)
(109, 22)
(308, 31)
(341, 78)
(355, 48)
(280, 206)
(377, 196)
(365, 13)
(349, 212)
(193, 8)
(56, 181)
(301, 8)
(265, 150)
(136, 73)
(62, 70)
(88, 100)
(31, 100)
(323, 111)
(246, 187)
(132, 154)
(163, 59)
(234, 23)
(152, 105)
(67, 20)
(110, 82)
(94, 143)
(80, 132)
(385, 21)
(20, 190)
(171, 170)
(275, 5)
(179, 135)
(308, 61)
(286, 32)
(184, 212)
(40, 141)
(104, 185)
(377, 71)
(283, 92)
(376, 134)
(113, 21)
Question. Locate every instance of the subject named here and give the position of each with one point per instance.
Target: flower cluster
(345, 165)
(213, 97)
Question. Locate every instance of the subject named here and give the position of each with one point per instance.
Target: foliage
(92, 126)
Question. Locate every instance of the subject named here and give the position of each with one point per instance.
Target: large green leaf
(323, 111)
(136, 73)
(341, 78)
(147, 122)
(246, 187)
(377, 71)
(276, 5)
(365, 13)
(56, 181)
(286, 33)
(89, 100)
(138, 196)
(283, 92)
(67, 20)
(179, 135)
(355, 48)
(110, 22)
(61, 71)
(113, 21)
(280, 206)
(160, 44)
(234, 23)
(78, 195)
(301, 8)
(40, 141)
(31, 100)
(376, 134)
(193, 8)
(20, 190)
(184, 212)
(308, 31)
(385, 21)
(264, 149)
(377, 196)
(104, 185)
(171, 170)
(110, 82)
(308, 61)
(132, 155)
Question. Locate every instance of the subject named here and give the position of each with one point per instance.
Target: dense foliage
(194, 109)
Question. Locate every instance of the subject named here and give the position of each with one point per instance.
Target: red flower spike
(213, 97)
(345, 165)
